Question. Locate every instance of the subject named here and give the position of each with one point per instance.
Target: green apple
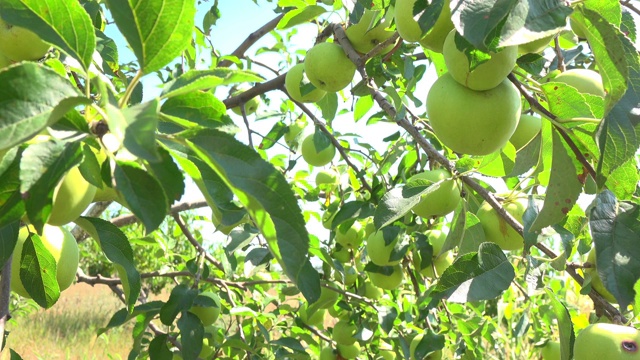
(584, 80)
(18, 44)
(70, 198)
(349, 351)
(327, 177)
(434, 40)
(485, 76)
(327, 298)
(528, 127)
(441, 263)
(440, 201)
(388, 282)
(62, 246)
(551, 351)
(295, 130)
(343, 255)
(535, 46)
(351, 238)
(496, 228)
(207, 314)
(473, 122)
(295, 79)
(385, 355)
(378, 250)
(577, 29)
(437, 239)
(207, 350)
(4, 61)
(436, 355)
(370, 291)
(312, 156)
(364, 37)
(607, 341)
(250, 106)
(596, 280)
(328, 67)
(328, 353)
(311, 318)
(343, 332)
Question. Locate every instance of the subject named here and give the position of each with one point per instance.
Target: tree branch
(5, 298)
(187, 233)
(252, 39)
(180, 207)
(256, 90)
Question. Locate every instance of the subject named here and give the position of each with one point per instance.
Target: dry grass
(68, 330)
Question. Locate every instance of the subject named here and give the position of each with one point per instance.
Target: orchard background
(223, 234)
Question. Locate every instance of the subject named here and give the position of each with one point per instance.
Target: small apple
(440, 201)
(596, 280)
(207, 350)
(207, 314)
(18, 44)
(364, 37)
(378, 250)
(436, 355)
(350, 275)
(473, 122)
(528, 127)
(328, 67)
(496, 228)
(434, 39)
(295, 130)
(535, 46)
(409, 29)
(328, 178)
(250, 106)
(62, 246)
(551, 351)
(577, 29)
(343, 332)
(370, 291)
(343, 255)
(441, 263)
(352, 238)
(388, 282)
(312, 156)
(328, 353)
(349, 351)
(295, 79)
(315, 318)
(327, 298)
(485, 76)
(607, 341)
(584, 80)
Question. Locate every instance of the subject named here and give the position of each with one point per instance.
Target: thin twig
(256, 90)
(5, 298)
(125, 220)
(187, 233)
(561, 65)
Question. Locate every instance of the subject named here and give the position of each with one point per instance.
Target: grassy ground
(68, 329)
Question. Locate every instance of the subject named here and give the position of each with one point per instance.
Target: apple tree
(444, 179)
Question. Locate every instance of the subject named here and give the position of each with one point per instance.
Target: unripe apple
(352, 237)
(577, 29)
(294, 80)
(379, 252)
(328, 353)
(4, 61)
(584, 80)
(596, 281)
(607, 341)
(364, 38)
(312, 156)
(70, 198)
(327, 177)
(62, 246)
(485, 76)
(350, 275)
(535, 46)
(388, 282)
(496, 228)
(207, 314)
(295, 130)
(343, 332)
(437, 239)
(473, 122)
(327, 298)
(440, 201)
(315, 318)
(409, 29)
(349, 351)
(370, 291)
(441, 263)
(434, 39)
(18, 44)
(250, 106)
(551, 351)
(436, 355)
(342, 255)
(528, 127)
(328, 67)
(386, 355)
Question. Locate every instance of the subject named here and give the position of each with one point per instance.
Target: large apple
(584, 80)
(596, 280)
(343, 332)
(312, 156)
(62, 246)
(409, 29)
(364, 37)
(250, 106)
(378, 250)
(351, 238)
(440, 201)
(607, 341)
(328, 67)
(294, 79)
(387, 282)
(70, 198)
(496, 228)
(436, 355)
(528, 127)
(551, 351)
(485, 76)
(18, 44)
(473, 122)
(207, 314)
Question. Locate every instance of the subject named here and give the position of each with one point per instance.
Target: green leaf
(565, 325)
(429, 17)
(363, 105)
(38, 272)
(615, 228)
(267, 196)
(135, 127)
(475, 276)
(566, 102)
(533, 19)
(197, 107)
(428, 344)
(14, 355)
(63, 23)
(158, 349)
(169, 175)
(191, 334)
(11, 203)
(623, 180)
(157, 30)
(33, 98)
(8, 239)
(500, 163)
(123, 315)
(527, 157)
(142, 193)
(116, 248)
(563, 188)
(300, 16)
(207, 79)
(180, 300)
(473, 234)
(329, 106)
